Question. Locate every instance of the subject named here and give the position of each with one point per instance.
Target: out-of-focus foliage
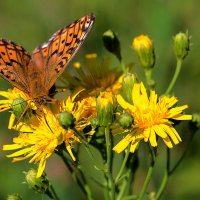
(30, 23)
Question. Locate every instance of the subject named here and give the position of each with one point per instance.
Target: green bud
(125, 120)
(14, 197)
(127, 86)
(20, 109)
(144, 49)
(105, 109)
(40, 185)
(18, 106)
(112, 44)
(181, 45)
(195, 122)
(66, 119)
(94, 122)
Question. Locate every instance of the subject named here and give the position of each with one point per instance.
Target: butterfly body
(36, 74)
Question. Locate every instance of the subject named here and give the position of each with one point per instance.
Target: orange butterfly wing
(14, 60)
(49, 60)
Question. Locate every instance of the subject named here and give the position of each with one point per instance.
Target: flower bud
(66, 119)
(105, 108)
(40, 185)
(127, 86)
(94, 122)
(14, 197)
(111, 43)
(181, 45)
(195, 122)
(144, 49)
(125, 120)
(20, 109)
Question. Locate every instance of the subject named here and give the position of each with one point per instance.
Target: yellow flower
(152, 117)
(94, 76)
(45, 135)
(11, 96)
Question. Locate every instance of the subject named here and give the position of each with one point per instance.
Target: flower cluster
(100, 98)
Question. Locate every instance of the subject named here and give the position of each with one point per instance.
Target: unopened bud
(105, 108)
(40, 185)
(66, 119)
(125, 120)
(14, 197)
(127, 86)
(181, 45)
(20, 109)
(112, 44)
(144, 49)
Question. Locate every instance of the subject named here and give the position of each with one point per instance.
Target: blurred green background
(30, 23)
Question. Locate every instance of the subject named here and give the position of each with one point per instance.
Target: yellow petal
(168, 142)
(134, 146)
(123, 144)
(41, 168)
(11, 121)
(153, 97)
(11, 147)
(70, 152)
(124, 104)
(171, 133)
(19, 153)
(152, 138)
(177, 110)
(159, 131)
(183, 117)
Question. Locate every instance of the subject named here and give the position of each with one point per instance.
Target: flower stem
(148, 75)
(108, 172)
(148, 177)
(123, 165)
(169, 171)
(77, 175)
(123, 66)
(165, 177)
(53, 192)
(177, 71)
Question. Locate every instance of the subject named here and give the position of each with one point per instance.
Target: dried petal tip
(144, 49)
(181, 45)
(66, 119)
(14, 197)
(111, 43)
(40, 184)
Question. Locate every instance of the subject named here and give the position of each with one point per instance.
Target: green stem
(123, 165)
(123, 66)
(181, 158)
(148, 177)
(148, 75)
(177, 71)
(165, 177)
(163, 185)
(53, 192)
(108, 172)
(124, 185)
(80, 180)
(169, 172)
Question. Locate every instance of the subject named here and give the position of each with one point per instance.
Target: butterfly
(35, 74)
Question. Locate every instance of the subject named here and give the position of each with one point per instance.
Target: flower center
(147, 117)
